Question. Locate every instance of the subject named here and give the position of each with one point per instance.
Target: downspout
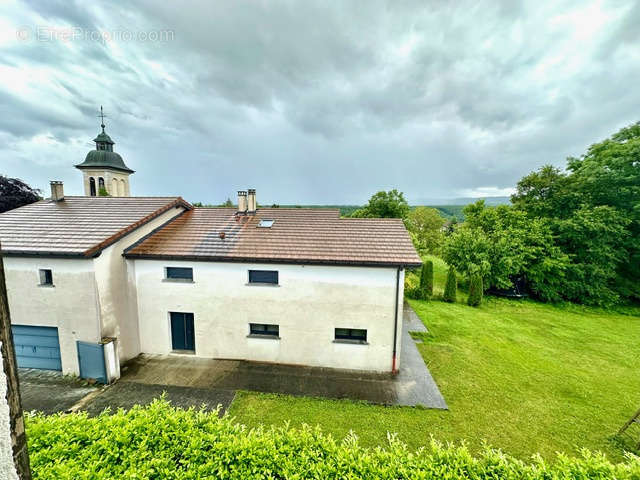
(395, 324)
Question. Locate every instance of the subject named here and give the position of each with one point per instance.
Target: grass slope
(524, 376)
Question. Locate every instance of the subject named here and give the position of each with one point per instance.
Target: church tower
(104, 170)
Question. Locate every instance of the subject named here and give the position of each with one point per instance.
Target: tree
(426, 280)
(475, 290)
(606, 176)
(389, 204)
(15, 193)
(425, 227)
(502, 243)
(227, 203)
(451, 287)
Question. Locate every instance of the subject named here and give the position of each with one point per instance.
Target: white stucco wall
(71, 304)
(117, 302)
(7, 468)
(309, 303)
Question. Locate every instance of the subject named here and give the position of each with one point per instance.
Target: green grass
(523, 376)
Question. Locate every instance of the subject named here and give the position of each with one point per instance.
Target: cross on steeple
(102, 115)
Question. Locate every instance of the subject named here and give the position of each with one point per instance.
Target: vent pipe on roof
(57, 190)
(242, 202)
(252, 204)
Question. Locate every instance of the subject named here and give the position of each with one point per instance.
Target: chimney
(242, 201)
(251, 199)
(57, 191)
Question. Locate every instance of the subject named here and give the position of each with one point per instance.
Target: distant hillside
(491, 201)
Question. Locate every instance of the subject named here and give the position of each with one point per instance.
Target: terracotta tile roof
(297, 236)
(77, 225)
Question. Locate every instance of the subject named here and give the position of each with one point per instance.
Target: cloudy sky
(314, 102)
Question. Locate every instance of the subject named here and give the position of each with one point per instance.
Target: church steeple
(104, 170)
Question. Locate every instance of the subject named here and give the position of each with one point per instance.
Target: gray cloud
(318, 102)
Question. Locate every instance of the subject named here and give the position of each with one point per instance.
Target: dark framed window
(179, 273)
(263, 276)
(46, 276)
(351, 334)
(92, 186)
(264, 329)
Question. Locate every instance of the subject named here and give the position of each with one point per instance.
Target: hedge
(162, 442)
(451, 287)
(426, 280)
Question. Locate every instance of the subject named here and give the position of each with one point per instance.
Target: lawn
(523, 376)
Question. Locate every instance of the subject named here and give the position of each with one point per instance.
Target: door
(182, 332)
(37, 347)
(91, 361)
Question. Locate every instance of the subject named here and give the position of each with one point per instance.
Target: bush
(426, 280)
(163, 442)
(475, 290)
(412, 286)
(451, 287)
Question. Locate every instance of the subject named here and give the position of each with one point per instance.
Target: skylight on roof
(265, 223)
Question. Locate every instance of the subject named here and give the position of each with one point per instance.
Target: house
(94, 281)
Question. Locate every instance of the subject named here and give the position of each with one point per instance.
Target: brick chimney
(251, 202)
(242, 202)
(57, 191)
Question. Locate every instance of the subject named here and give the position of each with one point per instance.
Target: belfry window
(92, 186)
(100, 184)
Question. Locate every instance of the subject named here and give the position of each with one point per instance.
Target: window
(46, 277)
(264, 329)
(265, 223)
(354, 335)
(100, 184)
(92, 186)
(263, 277)
(179, 273)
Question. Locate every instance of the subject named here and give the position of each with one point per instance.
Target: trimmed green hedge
(162, 442)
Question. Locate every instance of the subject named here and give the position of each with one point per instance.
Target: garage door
(37, 347)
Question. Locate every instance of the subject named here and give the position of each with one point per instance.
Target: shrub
(426, 280)
(163, 442)
(451, 287)
(475, 290)
(412, 286)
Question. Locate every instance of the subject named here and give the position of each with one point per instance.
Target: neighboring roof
(104, 159)
(315, 236)
(77, 226)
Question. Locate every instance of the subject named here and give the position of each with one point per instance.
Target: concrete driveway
(50, 392)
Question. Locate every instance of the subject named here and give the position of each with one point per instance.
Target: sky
(314, 102)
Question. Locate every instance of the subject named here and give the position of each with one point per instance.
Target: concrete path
(416, 386)
(125, 395)
(49, 391)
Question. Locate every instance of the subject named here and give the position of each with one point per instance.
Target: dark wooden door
(182, 332)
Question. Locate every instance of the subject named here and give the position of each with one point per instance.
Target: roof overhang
(282, 261)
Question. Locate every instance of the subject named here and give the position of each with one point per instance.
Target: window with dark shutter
(46, 277)
(263, 277)
(354, 335)
(264, 329)
(179, 273)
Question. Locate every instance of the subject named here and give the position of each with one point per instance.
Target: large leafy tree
(502, 243)
(425, 226)
(594, 208)
(391, 204)
(15, 193)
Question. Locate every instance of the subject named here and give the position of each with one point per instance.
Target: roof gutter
(281, 261)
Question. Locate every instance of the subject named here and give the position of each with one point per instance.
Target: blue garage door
(37, 347)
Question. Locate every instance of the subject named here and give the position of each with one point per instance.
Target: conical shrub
(426, 280)
(475, 290)
(451, 287)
